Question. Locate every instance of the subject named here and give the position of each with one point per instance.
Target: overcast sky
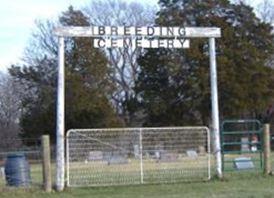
(17, 21)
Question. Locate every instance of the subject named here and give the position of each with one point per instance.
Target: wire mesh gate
(103, 157)
(242, 145)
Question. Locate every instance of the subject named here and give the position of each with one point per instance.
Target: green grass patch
(235, 185)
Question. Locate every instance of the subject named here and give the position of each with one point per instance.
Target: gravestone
(168, 157)
(254, 142)
(244, 145)
(192, 154)
(2, 173)
(243, 163)
(95, 156)
(136, 151)
(117, 159)
(158, 155)
(202, 150)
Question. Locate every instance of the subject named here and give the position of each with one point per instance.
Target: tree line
(131, 87)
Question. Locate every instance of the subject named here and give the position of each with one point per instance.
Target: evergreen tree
(87, 86)
(173, 85)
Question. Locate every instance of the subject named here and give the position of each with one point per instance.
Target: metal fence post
(141, 156)
(46, 163)
(267, 149)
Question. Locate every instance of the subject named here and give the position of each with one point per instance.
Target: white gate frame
(191, 32)
(141, 147)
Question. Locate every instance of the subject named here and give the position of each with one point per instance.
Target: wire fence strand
(104, 157)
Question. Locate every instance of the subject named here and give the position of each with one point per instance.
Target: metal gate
(103, 157)
(242, 145)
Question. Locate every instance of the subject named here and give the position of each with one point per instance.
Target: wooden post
(47, 185)
(215, 106)
(267, 150)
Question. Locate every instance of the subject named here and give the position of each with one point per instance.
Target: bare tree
(246, 2)
(122, 60)
(42, 43)
(265, 11)
(10, 105)
(9, 100)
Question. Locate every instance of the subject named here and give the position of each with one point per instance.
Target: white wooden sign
(140, 42)
(144, 37)
(150, 31)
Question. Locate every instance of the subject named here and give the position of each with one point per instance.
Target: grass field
(100, 173)
(242, 184)
(236, 185)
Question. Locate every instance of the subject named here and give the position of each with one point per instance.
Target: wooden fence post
(267, 149)
(47, 184)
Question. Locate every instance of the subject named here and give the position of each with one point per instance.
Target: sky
(17, 19)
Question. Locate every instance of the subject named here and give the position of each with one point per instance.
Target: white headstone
(192, 154)
(245, 145)
(95, 156)
(136, 151)
(117, 159)
(2, 172)
(243, 163)
(168, 157)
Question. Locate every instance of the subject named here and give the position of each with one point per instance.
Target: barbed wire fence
(104, 157)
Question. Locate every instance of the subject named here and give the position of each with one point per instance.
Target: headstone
(244, 145)
(192, 154)
(254, 142)
(243, 163)
(157, 155)
(2, 172)
(117, 159)
(202, 150)
(254, 147)
(95, 156)
(147, 156)
(136, 151)
(168, 157)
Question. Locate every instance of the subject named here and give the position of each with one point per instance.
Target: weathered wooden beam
(150, 31)
(267, 149)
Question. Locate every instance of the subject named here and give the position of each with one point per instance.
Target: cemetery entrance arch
(146, 37)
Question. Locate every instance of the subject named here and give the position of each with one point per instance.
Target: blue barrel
(17, 170)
